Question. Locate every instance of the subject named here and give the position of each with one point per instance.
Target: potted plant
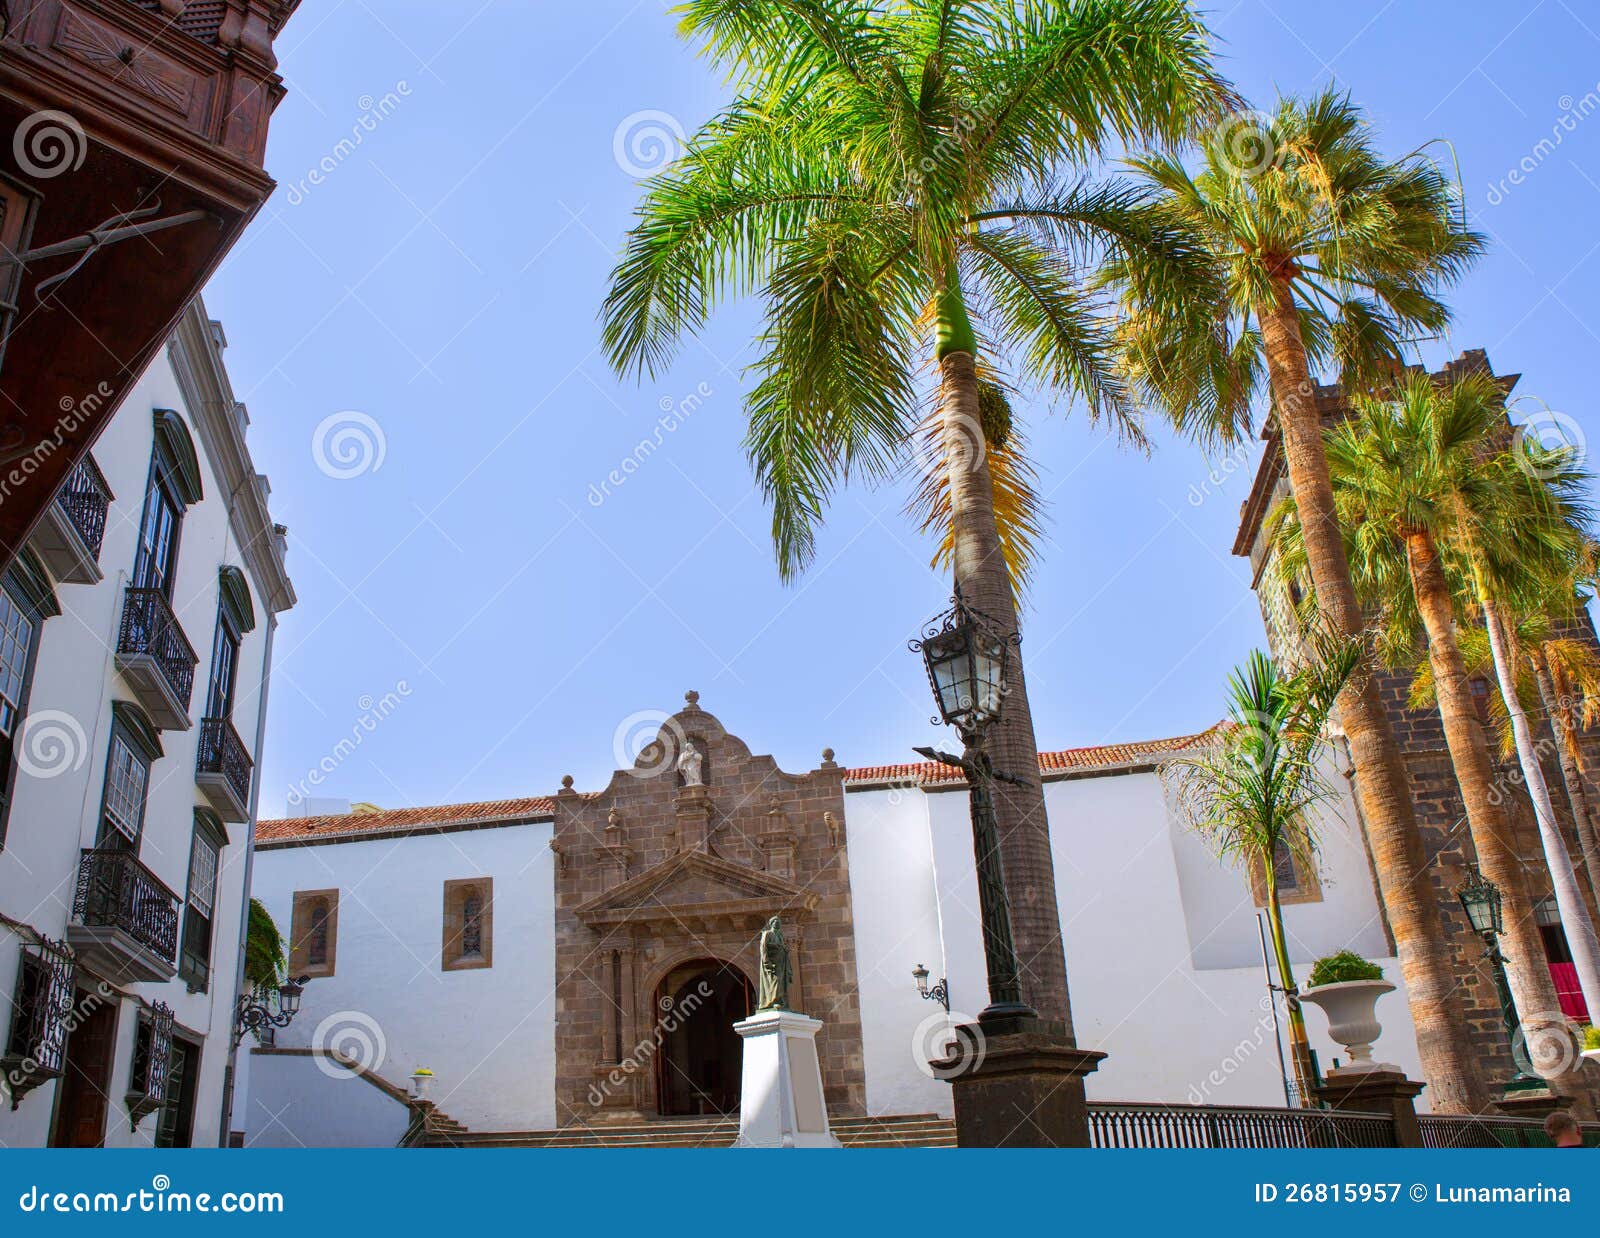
(1591, 1043)
(421, 1081)
(1348, 987)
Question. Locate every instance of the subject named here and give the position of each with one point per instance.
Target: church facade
(579, 958)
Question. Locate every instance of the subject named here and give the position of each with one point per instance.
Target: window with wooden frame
(314, 933)
(199, 908)
(26, 601)
(135, 746)
(468, 924)
(1297, 881)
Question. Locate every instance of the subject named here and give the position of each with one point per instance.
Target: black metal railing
(1451, 1130)
(85, 498)
(1119, 1125)
(223, 752)
(116, 891)
(150, 627)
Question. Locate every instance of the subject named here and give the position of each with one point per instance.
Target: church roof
(1064, 761)
(369, 821)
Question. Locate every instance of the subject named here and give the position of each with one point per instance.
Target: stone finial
(566, 783)
(827, 759)
(692, 699)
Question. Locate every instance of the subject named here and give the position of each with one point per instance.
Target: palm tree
(1251, 791)
(896, 179)
(1332, 255)
(1411, 488)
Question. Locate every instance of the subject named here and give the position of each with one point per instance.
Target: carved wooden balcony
(69, 534)
(124, 919)
(119, 120)
(222, 769)
(156, 658)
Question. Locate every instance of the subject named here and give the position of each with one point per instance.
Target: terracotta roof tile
(383, 821)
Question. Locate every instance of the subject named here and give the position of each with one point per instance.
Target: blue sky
(441, 277)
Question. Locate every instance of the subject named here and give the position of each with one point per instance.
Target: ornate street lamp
(1481, 900)
(939, 993)
(253, 1014)
(967, 656)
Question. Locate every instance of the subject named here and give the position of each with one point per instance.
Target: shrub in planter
(1344, 966)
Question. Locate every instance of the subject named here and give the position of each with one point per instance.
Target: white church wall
(291, 1097)
(487, 1033)
(1162, 954)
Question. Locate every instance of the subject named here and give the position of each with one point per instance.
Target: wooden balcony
(156, 658)
(119, 120)
(124, 919)
(223, 768)
(68, 536)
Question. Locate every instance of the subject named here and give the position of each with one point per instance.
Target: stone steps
(917, 1130)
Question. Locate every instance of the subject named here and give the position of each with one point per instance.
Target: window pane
(16, 637)
(125, 789)
(202, 875)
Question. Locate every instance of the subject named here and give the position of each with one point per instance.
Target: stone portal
(663, 881)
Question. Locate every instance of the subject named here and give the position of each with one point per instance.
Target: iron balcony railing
(116, 891)
(85, 498)
(150, 627)
(223, 752)
(1117, 1125)
(1452, 1130)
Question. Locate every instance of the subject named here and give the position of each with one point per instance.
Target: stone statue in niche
(691, 763)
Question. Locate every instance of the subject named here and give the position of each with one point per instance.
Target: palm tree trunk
(1563, 880)
(1380, 774)
(1571, 775)
(1528, 970)
(980, 570)
(1305, 1076)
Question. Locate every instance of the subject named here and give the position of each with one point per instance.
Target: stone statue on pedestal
(776, 972)
(690, 763)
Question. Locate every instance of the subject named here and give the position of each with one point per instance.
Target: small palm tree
(901, 181)
(1251, 791)
(1424, 500)
(1331, 255)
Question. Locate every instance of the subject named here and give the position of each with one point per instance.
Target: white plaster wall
(1162, 956)
(488, 1034)
(53, 817)
(291, 1096)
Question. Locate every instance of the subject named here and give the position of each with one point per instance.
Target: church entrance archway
(698, 1067)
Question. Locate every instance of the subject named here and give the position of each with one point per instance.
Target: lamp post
(939, 993)
(252, 1013)
(1480, 899)
(966, 657)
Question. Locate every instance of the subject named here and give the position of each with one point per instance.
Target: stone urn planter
(421, 1083)
(1351, 1007)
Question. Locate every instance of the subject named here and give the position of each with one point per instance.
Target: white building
(135, 643)
(525, 951)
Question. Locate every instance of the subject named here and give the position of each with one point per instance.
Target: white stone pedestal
(780, 1100)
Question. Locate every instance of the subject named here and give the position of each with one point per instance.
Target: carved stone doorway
(698, 1067)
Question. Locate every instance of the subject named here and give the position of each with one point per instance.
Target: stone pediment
(697, 888)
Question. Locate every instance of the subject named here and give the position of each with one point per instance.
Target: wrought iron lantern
(1480, 899)
(939, 993)
(254, 1014)
(967, 658)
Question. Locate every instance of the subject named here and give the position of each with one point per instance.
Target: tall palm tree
(1251, 790)
(896, 178)
(1410, 489)
(1332, 254)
